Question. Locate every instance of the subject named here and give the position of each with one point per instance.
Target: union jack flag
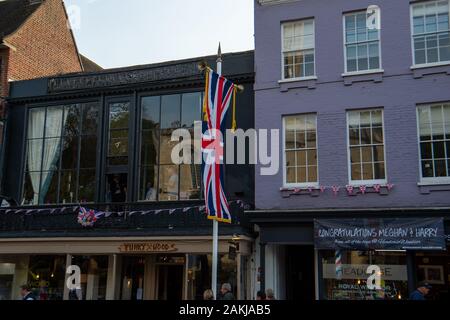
(219, 92)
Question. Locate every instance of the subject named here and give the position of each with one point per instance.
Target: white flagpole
(215, 252)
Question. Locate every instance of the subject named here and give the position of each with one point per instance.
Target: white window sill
(297, 79)
(368, 183)
(430, 65)
(434, 183)
(300, 186)
(358, 73)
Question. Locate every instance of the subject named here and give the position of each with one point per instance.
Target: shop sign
(379, 234)
(148, 247)
(359, 271)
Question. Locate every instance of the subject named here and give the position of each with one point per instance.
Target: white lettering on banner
(359, 272)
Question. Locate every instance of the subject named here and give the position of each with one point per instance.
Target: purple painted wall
(399, 92)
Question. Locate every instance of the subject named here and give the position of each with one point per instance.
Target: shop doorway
(133, 275)
(300, 275)
(170, 282)
(434, 269)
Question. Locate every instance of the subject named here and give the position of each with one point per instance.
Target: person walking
(423, 289)
(25, 292)
(208, 295)
(225, 290)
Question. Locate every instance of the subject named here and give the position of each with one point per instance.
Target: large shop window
(298, 49)
(160, 178)
(366, 147)
(300, 150)
(362, 46)
(434, 139)
(431, 32)
(61, 154)
(348, 280)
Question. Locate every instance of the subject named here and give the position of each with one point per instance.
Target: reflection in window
(61, 154)
(119, 117)
(352, 284)
(94, 272)
(159, 178)
(46, 276)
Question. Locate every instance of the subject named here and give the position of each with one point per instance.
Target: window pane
(87, 187)
(301, 158)
(148, 183)
(31, 188)
(70, 152)
(378, 154)
(440, 167)
(118, 143)
(290, 159)
(149, 147)
(90, 118)
(311, 139)
(368, 171)
(424, 124)
(312, 174)
(49, 187)
(312, 157)
(354, 137)
(374, 56)
(309, 69)
(291, 175)
(366, 136)
(439, 150)
(377, 135)
(432, 55)
(427, 169)
(190, 183)
(54, 122)
(67, 187)
(72, 123)
(289, 72)
(419, 24)
(380, 171)
(437, 122)
(362, 58)
(168, 183)
(443, 24)
(351, 58)
(150, 112)
(51, 154)
(88, 154)
(420, 57)
(300, 142)
(447, 120)
(356, 171)
(36, 120)
(355, 154)
(430, 23)
(301, 175)
(290, 139)
(191, 109)
(166, 146)
(170, 111)
(350, 36)
(365, 119)
(366, 153)
(119, 115)
(425, 151)
(34, 154)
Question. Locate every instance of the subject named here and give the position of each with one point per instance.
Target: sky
(118, 33)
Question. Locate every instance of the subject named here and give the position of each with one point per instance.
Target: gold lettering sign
(148, 247)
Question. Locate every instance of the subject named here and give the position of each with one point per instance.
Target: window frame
(23, 166)
(424, 180)
(314, 76)
(303, 184)
(357, 183)
(413, 51)
(344, 39)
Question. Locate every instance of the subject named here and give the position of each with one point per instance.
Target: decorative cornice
(126, 77)
(274, 2)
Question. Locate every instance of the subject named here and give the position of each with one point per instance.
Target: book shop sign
(379, 234)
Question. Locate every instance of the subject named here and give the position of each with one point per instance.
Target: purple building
(360, 93)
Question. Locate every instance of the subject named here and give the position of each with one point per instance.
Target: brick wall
(44, 45)
(3, 77)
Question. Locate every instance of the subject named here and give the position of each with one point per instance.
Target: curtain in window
(36, 122)
(52, 148)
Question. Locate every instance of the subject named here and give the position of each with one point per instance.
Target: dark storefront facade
(103, 141)
(317, 256)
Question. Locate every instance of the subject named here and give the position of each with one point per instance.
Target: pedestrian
(25, 292)
(423, 289)
(270, 295)
(225, 290)
(260, 295)
(208, 295)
